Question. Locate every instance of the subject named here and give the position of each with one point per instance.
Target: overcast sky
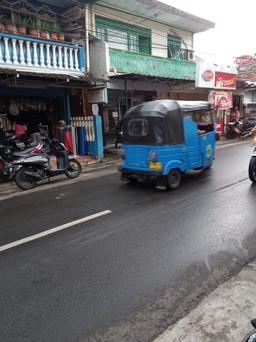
(234, 33)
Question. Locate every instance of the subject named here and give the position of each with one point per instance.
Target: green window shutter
(133, 42)
(174, 47)
(100, 33)
(117, 39)
(144, 44)
(124, 36)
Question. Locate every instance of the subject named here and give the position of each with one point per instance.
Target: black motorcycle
(30, 169)
(14, 142)
(238, 129)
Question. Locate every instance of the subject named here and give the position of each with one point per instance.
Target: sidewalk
(91, 168)
(223, 316)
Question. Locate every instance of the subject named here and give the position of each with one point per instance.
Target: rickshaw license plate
(155, 165)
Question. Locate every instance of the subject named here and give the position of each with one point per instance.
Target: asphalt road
(127, 275)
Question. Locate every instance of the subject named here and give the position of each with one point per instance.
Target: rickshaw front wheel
(173, 179)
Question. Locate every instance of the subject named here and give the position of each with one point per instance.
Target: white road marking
(53, 230)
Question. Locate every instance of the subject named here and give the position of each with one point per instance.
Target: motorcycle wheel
(23, 181)
(231, 135)
(251, 337)
(74, 169)
(252, 169)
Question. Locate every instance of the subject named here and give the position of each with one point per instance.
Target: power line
(132, 22)
(155, 45)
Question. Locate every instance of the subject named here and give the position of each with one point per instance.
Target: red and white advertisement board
(220, 99)
(214, 76)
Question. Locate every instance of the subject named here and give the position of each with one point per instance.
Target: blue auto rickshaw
(163, 139)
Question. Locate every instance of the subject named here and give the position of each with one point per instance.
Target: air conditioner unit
(191, 55)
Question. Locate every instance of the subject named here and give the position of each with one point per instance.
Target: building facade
(143, 50)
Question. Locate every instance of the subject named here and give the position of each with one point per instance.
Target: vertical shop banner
(246, 68)
(220, 99)
(224, 80)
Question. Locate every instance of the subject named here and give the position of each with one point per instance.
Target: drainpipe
(86, 25)
(68, 108)
(126, 97)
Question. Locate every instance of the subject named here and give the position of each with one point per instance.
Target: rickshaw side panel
(207, 148)
(192, 143)
(200, 148)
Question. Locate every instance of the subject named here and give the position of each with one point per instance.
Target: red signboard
(244, 60)
(224, 80)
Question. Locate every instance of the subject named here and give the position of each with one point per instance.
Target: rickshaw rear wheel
(132, 180)
(173, 179)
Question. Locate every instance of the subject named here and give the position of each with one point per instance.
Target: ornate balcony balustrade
(31, 54)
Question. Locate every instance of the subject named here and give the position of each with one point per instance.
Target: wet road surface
(125, 276)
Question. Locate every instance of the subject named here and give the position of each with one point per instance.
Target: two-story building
(142, 48)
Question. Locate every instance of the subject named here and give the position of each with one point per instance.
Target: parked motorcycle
(252, 164)
(30, 169)
(236, 129)
(14, 142)
(7, 157)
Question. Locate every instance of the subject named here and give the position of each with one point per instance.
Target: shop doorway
(119, 102)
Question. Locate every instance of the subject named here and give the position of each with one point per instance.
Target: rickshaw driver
(200, 121)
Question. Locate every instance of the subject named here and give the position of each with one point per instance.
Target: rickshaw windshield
(138, 128)
(148, 131)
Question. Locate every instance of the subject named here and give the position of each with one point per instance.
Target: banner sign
(224, 80)
(209, 75)
(220, 99)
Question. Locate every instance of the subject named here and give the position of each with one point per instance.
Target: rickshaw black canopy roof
(165, 118)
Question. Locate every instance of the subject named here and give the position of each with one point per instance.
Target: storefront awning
(249, 84)
(139, 77)
(45, 73)
(66, 3)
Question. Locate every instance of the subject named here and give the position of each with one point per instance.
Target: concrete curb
(230, 144)
(224, 315)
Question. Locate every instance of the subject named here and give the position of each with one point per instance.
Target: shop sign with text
(246, 68)
(220, 99)
(224, 80)
(244, 60)
(97, 95)
(209, 75)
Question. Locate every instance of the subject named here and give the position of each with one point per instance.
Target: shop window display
(29, 115)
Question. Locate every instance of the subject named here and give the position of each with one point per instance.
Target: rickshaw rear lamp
(122, 154)
(153, 156)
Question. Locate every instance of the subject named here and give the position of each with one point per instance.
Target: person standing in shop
(33, 126)
(235, 115)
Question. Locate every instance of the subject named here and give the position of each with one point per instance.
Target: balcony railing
(176, 52)
(125, 62)
(41, 55)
